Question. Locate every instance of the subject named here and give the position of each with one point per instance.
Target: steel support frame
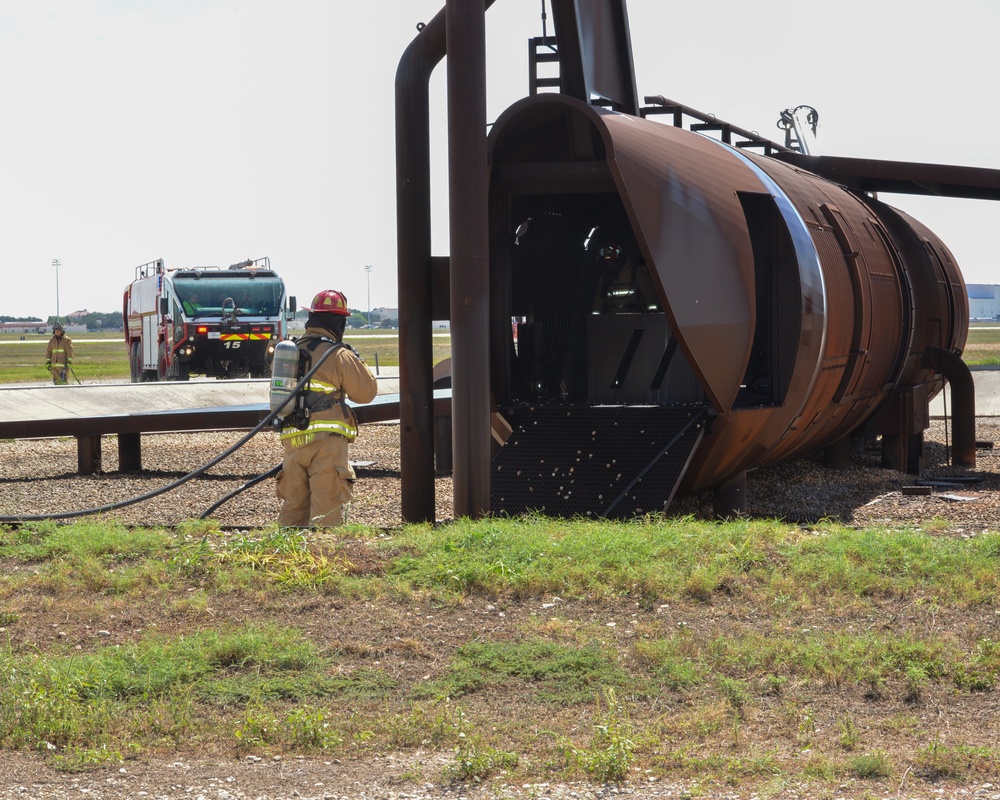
(129, 428)
(468, 189)
(458, 29)
(963, 399)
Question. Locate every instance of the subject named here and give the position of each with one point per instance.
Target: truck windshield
(206, 296)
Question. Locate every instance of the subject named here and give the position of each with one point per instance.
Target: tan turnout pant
(316, 483)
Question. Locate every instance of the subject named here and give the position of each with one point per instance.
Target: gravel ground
(300, 779)
(39, 477)
(961, 501)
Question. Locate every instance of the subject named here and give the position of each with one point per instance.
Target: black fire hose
(200, 471)
(239, 489)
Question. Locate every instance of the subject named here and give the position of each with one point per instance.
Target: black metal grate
(599, 461)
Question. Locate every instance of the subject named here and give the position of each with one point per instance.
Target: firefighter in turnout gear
(316, 481)
(59, 355)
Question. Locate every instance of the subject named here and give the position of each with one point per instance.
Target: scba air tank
(284, 376)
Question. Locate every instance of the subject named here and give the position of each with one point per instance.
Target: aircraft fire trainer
(663, 308)
(686, 311)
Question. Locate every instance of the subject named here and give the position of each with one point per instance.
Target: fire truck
(211, 321)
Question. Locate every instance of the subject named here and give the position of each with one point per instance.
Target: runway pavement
(987, 382)
(45, 401)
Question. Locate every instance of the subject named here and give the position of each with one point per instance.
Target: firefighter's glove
(48, 365)
(69, 363)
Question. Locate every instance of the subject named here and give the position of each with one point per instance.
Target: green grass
(103, 357)
(552, 672)
(825, 659)
(783, 566)
(733, 653)
(103, 360)
(983, 345)
(107, 360)
(111, 541)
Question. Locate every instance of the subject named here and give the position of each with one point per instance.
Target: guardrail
(134, 409)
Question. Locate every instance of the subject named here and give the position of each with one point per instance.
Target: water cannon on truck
(211, 321)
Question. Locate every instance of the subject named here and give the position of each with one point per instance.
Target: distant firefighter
(59, 355)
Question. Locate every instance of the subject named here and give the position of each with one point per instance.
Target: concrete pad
(24, 403)
(97, 400)
(987, 383)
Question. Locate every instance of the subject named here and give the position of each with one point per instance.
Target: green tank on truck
(211, 321)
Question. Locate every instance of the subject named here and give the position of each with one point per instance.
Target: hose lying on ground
(194, 474)
(241, 488)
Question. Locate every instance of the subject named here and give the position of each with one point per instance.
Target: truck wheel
(161, 364)
(135, 363)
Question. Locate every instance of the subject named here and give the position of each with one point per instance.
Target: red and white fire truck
(222, 323)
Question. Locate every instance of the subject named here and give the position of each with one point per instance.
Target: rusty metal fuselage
(654, 267)
(659, 311)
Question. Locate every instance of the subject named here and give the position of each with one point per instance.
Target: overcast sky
(206, 132)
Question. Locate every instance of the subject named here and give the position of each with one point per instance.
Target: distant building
(381, 314)
(24, 327)
(984, 301)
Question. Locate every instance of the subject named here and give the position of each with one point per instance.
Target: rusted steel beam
(729, 499)
(470, 297)
(200, 419)
(902, 177)
(88, 454)
(414, 261)
(413, 247)
(129, 452)
(569, 178)
(963, 402)
(678, 111)
(129, 427)
(595, 52)
(190, 419)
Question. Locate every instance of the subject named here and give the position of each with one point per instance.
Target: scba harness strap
(298, 428)
(319, 394)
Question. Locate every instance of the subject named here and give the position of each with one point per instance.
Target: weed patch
(750, 654)
(553, 673)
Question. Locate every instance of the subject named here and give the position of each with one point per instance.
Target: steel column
(963, 401)
(730, 499)
(88, 454)
(415, 276)
(129, 452)
(468, 186)
(413, 248)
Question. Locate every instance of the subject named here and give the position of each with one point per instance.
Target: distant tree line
(94, 320)
(358, 319)
(20, 319)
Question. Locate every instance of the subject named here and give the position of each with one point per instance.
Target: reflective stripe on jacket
(342, 376)
(59, 350)
(297, 438)
(338, 427)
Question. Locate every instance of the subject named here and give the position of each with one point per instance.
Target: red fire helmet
(330, 301)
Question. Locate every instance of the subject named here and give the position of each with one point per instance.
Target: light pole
(368, 269)
(56, 263)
